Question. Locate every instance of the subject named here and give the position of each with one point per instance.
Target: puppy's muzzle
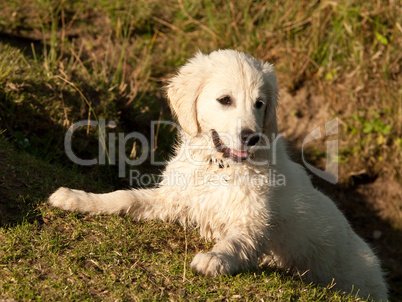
(249, 138)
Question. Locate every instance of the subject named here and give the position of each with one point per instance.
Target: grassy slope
(52, 255)
(62, 61)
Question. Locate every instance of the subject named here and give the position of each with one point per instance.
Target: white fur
(299, 227)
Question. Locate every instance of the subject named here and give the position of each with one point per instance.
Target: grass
(64, 61)
(49, 254)
(98, 258)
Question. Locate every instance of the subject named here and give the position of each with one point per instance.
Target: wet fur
(299, 227)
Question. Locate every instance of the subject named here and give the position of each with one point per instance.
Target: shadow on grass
(26, 44)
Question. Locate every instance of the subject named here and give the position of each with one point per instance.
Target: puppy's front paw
(211, 264)
(65, 199)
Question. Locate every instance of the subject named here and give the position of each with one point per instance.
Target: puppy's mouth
(235, 155)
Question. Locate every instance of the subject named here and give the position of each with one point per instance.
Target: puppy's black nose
(249, 137)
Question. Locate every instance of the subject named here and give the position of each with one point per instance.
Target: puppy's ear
(183, 91)
(270, 126)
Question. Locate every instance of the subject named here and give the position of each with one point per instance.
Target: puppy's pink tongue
(240, 154)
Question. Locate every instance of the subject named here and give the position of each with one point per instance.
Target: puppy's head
(227, 95)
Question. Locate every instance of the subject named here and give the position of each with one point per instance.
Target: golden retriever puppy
(231, 178)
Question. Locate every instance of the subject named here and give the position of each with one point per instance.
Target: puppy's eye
(259, 103)
(225, 100)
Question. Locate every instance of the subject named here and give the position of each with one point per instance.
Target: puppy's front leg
(140, 204)
(229, 256)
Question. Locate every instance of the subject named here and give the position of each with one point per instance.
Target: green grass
(65, 61)
(71, 257)
(48, 254)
